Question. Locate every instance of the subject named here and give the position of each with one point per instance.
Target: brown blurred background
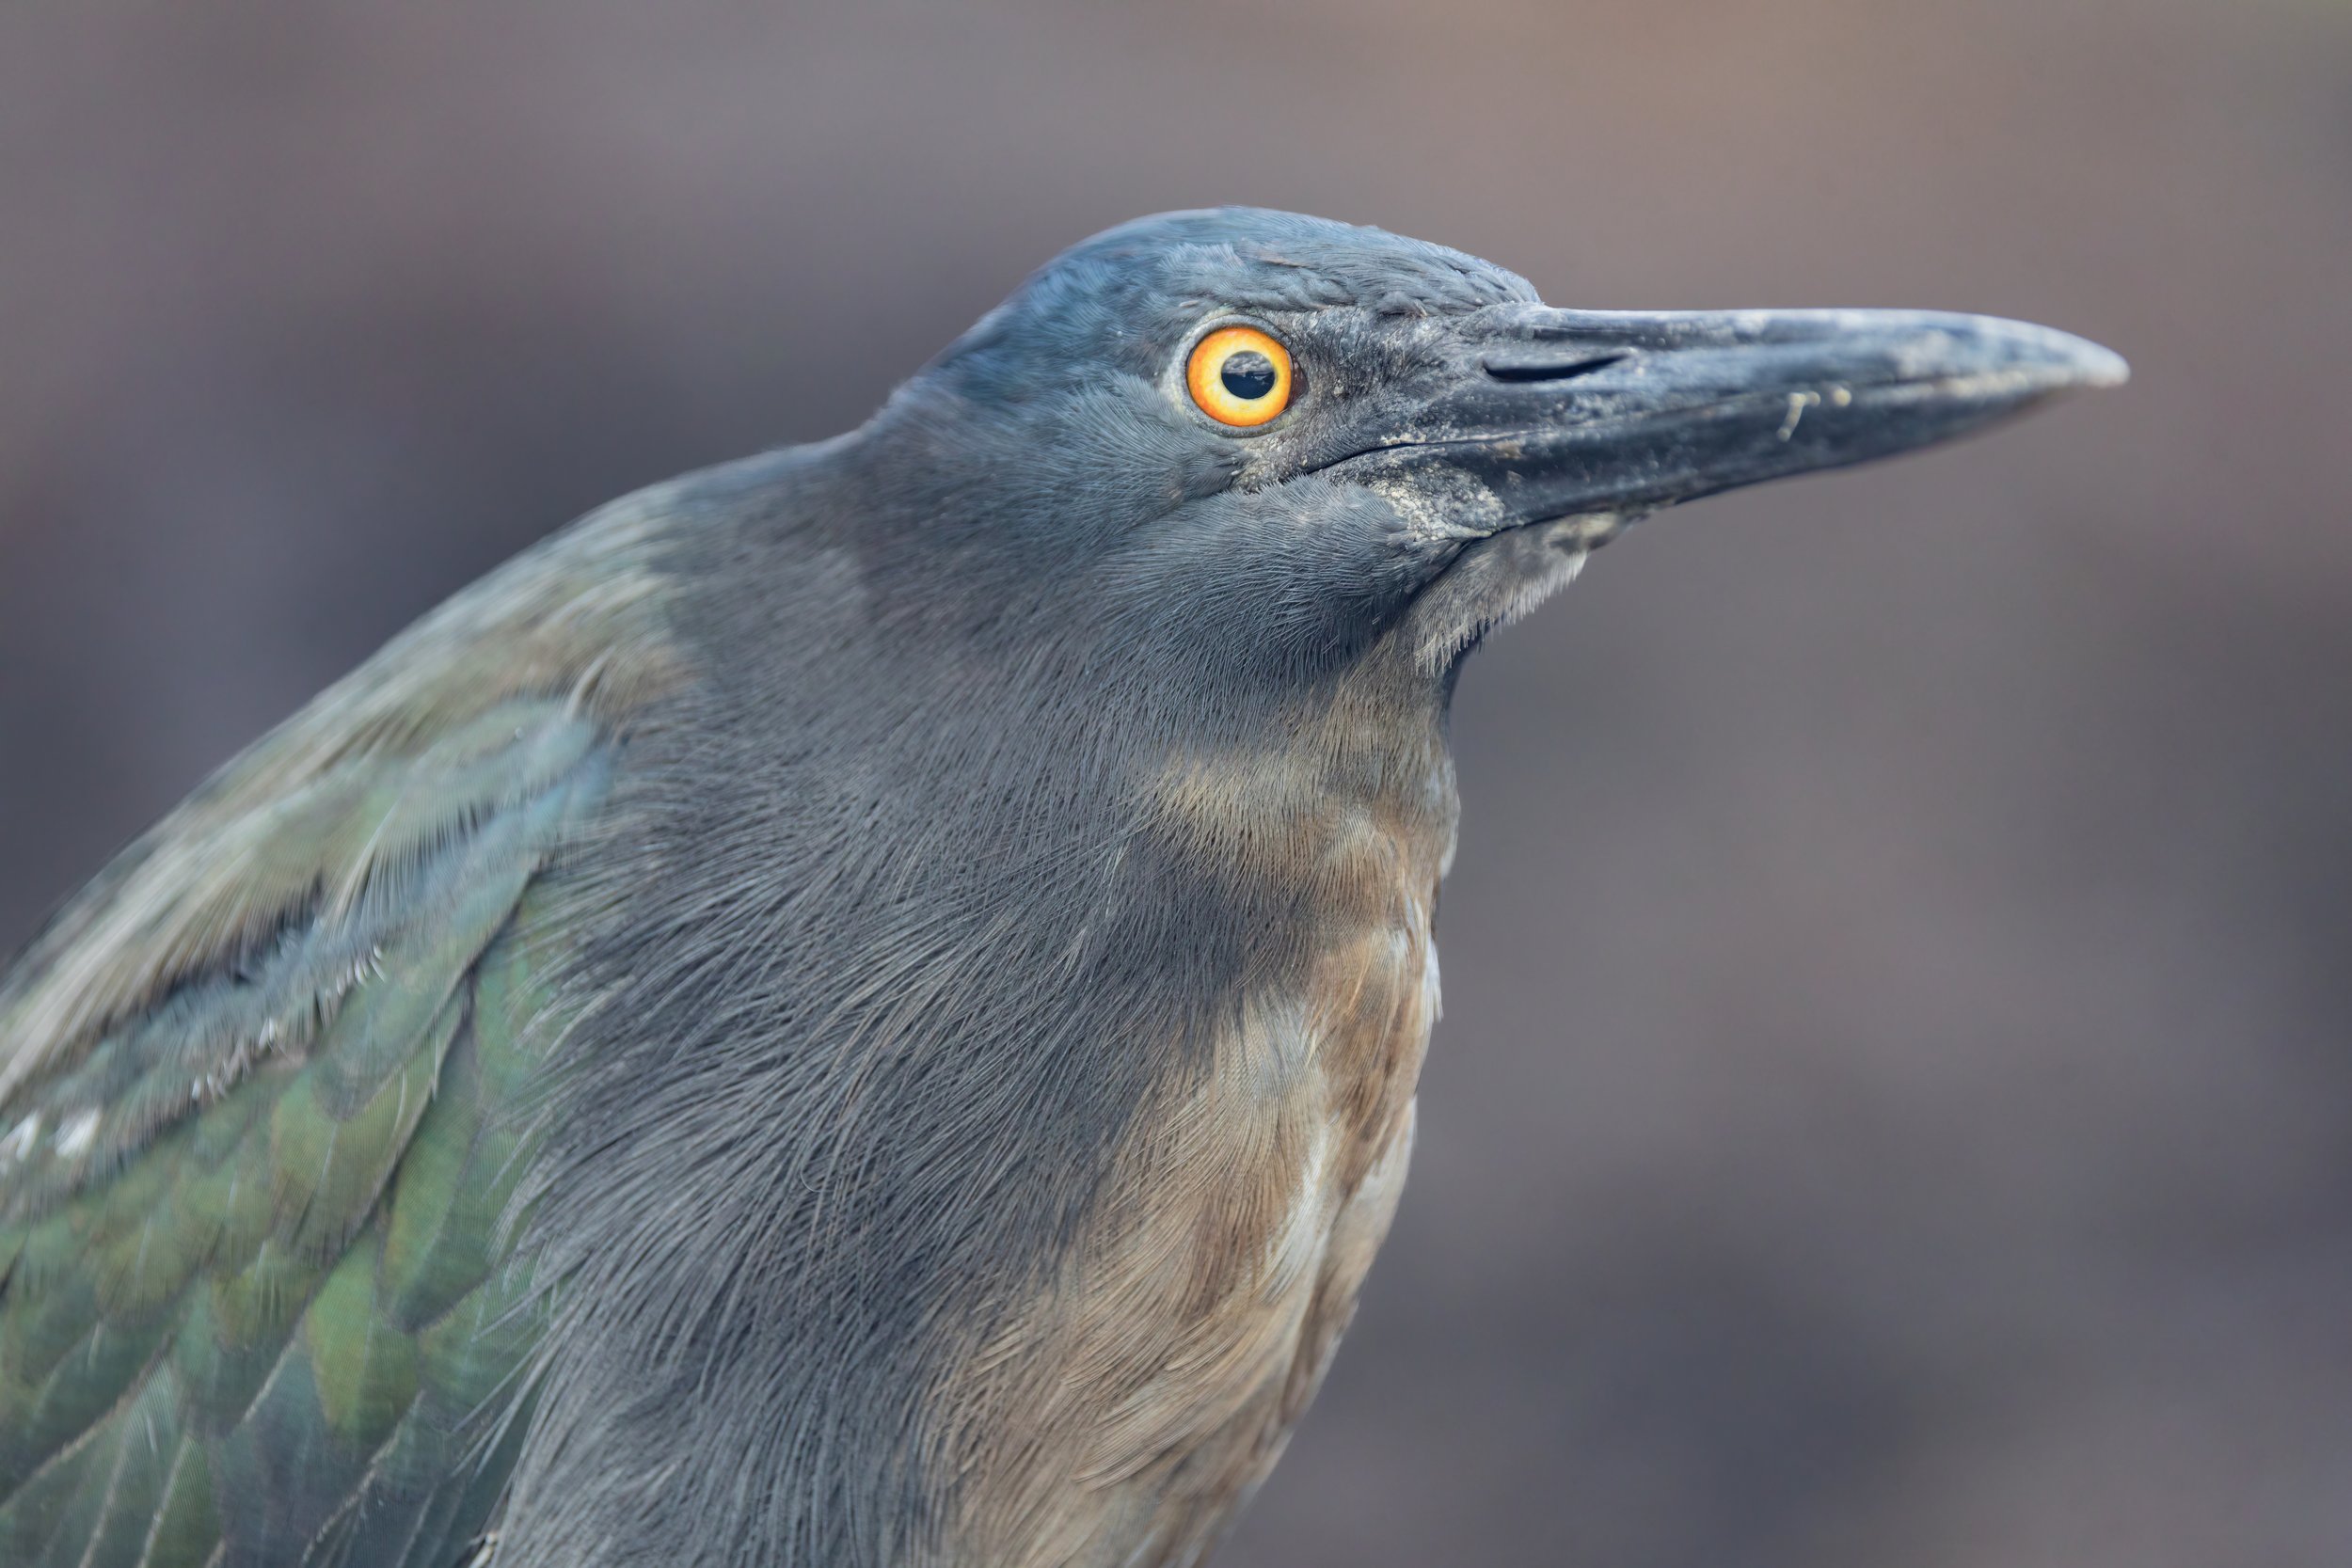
(1895, 1105)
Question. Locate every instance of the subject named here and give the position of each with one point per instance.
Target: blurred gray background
(1895, 1102)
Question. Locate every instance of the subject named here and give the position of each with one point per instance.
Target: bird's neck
(1336, 803)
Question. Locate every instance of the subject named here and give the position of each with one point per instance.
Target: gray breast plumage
(1153, 1385)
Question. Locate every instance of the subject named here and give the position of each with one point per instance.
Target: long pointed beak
(1551, 414)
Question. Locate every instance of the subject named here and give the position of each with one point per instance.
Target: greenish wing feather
(256, 1304)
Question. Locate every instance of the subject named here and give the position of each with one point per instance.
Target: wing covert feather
(217, 1327)
(265, 1099)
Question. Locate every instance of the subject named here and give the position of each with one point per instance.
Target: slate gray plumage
(860, 1006)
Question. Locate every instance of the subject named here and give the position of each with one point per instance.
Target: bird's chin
(1499, 577)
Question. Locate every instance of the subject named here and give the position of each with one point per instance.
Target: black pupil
(1249, 375)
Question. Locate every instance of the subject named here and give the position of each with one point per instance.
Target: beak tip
(2019, 364)
(2096, 366)
(2066, 361)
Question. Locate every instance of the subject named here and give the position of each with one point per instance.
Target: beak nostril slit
(1553, 369)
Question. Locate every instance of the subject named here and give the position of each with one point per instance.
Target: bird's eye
(1239, 376)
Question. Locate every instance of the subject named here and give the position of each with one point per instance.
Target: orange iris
(1239, 376)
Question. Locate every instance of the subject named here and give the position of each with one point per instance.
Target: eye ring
(1240, 376)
